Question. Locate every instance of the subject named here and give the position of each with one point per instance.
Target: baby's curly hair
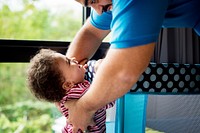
(44, 77)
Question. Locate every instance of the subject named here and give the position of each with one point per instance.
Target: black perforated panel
(169, 79)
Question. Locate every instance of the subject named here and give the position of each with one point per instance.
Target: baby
(55, 78)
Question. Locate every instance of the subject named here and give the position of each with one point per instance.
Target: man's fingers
(79, 124)
(75, 130)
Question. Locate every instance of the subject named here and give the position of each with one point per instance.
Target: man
(135, 26)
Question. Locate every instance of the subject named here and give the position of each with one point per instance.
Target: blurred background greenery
(39, 20)
(20, 112)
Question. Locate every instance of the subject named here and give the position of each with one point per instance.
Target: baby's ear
(67, 85)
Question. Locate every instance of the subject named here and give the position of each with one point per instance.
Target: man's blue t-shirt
(138, 22)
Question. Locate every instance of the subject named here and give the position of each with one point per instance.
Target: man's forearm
(86, 42)
(119, 71)
(82, 47)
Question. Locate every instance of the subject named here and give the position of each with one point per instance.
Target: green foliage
(40, 24)
(19, 110)
(29, 117)
(13, 83)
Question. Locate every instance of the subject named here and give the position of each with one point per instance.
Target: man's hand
(79, 117)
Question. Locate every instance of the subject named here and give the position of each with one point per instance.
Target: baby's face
(72, 71)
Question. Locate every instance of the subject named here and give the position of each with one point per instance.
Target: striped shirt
(99, 117)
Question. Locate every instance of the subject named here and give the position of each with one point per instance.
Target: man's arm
(86, 42)
(118, 72)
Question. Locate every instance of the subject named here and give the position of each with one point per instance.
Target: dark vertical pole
(86, 14)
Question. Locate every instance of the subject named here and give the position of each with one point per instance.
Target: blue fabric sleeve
(136, 22)
(101, 21)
